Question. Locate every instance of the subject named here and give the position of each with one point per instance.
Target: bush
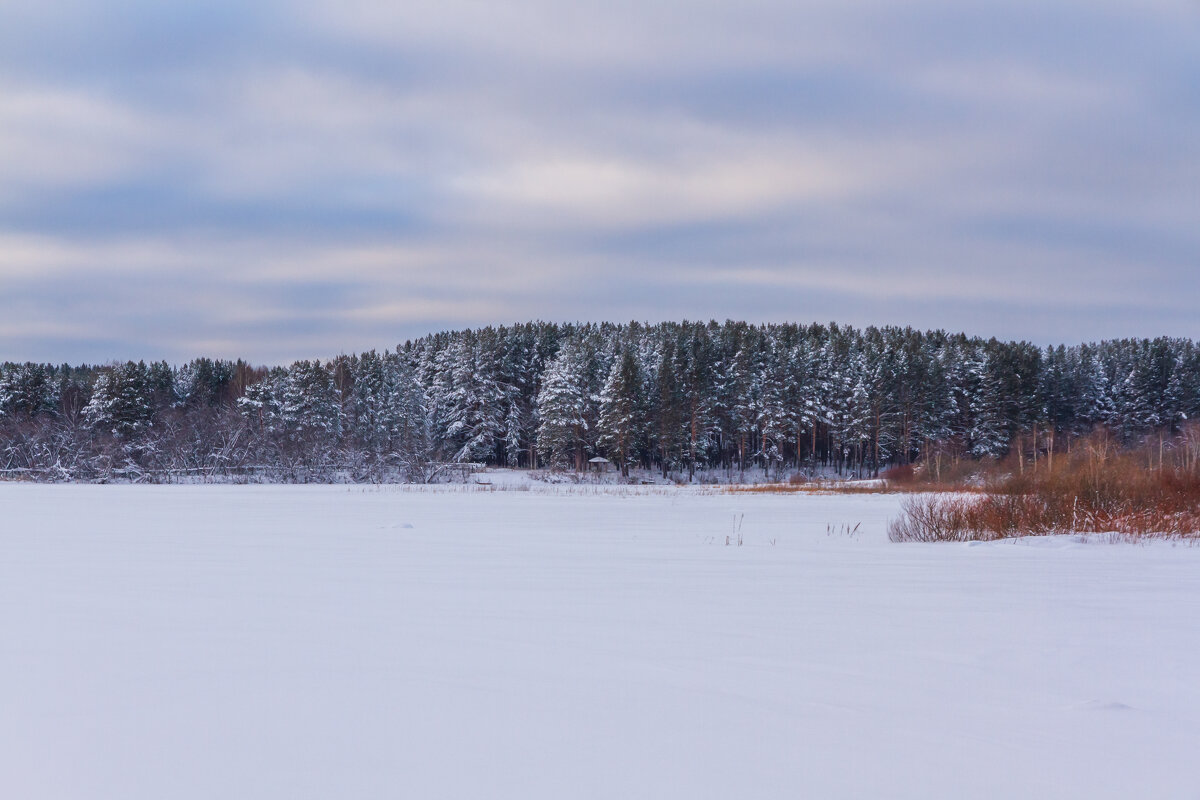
(1089, 493)
(901, 475)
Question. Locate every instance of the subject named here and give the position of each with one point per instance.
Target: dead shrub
(1093, 492)
(930, 518)
(900, 475)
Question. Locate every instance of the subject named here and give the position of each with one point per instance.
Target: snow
(581, 642)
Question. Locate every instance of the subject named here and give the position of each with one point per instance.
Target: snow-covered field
(365, 642)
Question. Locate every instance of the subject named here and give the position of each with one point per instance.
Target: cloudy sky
(276, 180)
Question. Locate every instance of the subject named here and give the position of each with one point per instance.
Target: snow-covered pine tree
(1095, 405)
(775, 416)
(474, 405)
(934, 422)
(122, 401)
(859, 419)
(696, 390)
(160, 378)
(1183, 391)
(620, 424)
(406, 421)
(1056, 389)
(746, 390)
(371, 417)
(987, 435)
(808, 394)
(205, 382)
(27, 390)
(262, 402)
(561, 405)
(311, 413)
(667, 406)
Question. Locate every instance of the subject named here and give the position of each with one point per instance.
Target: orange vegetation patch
(1094, 491)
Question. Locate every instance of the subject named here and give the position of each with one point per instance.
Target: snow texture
(317, 641)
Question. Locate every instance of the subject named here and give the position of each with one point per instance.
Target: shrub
(1089, 493)
(900, 475)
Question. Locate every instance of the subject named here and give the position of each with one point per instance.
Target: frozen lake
(318, 642)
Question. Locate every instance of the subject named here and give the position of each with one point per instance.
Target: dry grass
(900, 475)
(962, 518)
(1091, 492)
(812, 487)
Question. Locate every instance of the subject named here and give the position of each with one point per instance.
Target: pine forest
(690, 401)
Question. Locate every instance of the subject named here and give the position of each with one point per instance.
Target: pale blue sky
(276, 180)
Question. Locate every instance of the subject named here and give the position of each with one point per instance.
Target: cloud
(287, 179)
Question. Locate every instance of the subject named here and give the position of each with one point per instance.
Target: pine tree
(28, 390)
(474, 404)
(311, 412)
(1183, 392)
(858, 419)
(809, 393)
(561, 406)
(407, 421)
(1096, 405)
(775, 415)
(696, 390)
(122, 401)
(987, 435)
(620, 411)
(262, 402)
(737, 413)
(667, 407)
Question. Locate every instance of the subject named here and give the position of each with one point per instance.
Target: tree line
(680, 398)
